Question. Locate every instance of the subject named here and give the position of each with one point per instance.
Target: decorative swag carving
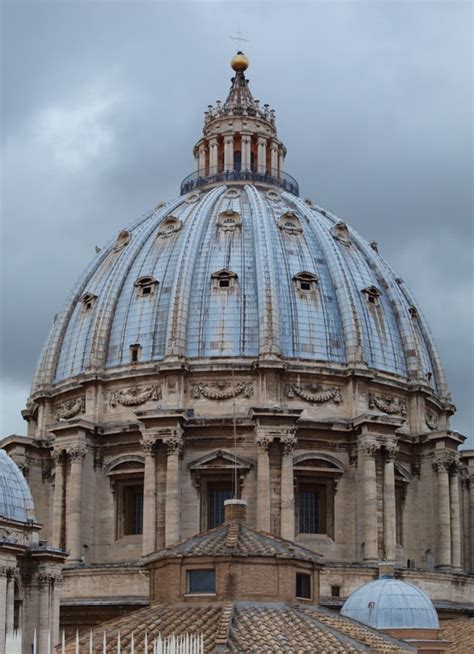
(222, 390)
(314, 393)
(388, 404)
(70, 408)
(135, 395)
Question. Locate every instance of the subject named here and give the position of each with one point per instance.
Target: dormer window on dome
(88, 300)
(306, 282)
(340, 232)
(372, 295)
(290, 223)
(122, 240)
(146, 286)
(229, 221)
(169, 226)
(224, 280)
(135, 351)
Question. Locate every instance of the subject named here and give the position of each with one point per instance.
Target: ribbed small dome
(16, 502)
(389, 603)
(240, 271)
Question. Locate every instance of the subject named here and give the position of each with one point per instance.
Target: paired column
(287, 501)
(149, 497)
(263, 441)
(368, 451)
(262, 155)
(174, 446)
(389, 508)
(455, 514)
(280, 163)
(44, 617)
(74, 504)
(202, 160)
(246, 140)
(213, 155)
(58, 499)
(274, 159)
(441, 467)
(228, 152)
(3, 606)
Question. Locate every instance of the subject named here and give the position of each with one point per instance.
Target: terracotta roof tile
(461, 635)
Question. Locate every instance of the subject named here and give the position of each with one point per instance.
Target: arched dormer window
(224, 280)
(126, 476)
(122, 240)
(88, 300)
(290, 223)
(372, 295)
(316, 478)
(340, 232)
(229, 221)
(146, 286)
(306, 282)
(169, 226)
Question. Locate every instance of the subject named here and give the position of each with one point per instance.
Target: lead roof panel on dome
(16, 502)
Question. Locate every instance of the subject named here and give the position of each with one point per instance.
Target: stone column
(471, 525)
(389, 510)
(246, 139)
(455, 515)
(58, 499)
(368, 450)
(43, 631)
(228, 152)
(274, 159)
(441, 467)
(56, 599)
(3, 606)
(280, 163)
(74, 504)
(262, 155)
(174, 446)
(202, 160)
(10, 599)
(263, 441)
(287, 519)
(213, 155)
(149, 497)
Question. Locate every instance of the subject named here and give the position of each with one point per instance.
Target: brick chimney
(234, 511)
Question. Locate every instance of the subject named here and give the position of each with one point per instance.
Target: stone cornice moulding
(73, 427)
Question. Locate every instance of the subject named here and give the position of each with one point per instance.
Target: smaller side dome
(389, 603)
(16, 502)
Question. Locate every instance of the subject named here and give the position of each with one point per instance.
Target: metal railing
(282, 180)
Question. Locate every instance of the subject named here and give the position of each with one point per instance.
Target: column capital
(368, 448)
(148, 444)
(288, 441)
(57, 454)
(263, 441)
(173, 441)
(390, 451)
(444, 461)
(76, 453)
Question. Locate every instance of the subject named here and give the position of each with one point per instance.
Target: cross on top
(239, 37)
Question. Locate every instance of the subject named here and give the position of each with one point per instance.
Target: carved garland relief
(222, 390)
(70, 408)
(388, 404)
(314, 393)
(431, 420)
(135, 395)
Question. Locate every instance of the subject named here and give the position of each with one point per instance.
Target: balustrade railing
(282, 180)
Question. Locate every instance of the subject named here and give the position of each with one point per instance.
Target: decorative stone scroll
(70, 408)
(388, 404)
(431, 420)
(222, 390)
(314, 393)
(135, 395)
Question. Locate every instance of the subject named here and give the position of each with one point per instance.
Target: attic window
(290, 223)
(135, 351)
(303, 586)
(122, 240)
(372, 295)
(145, 286)
(88, 301)
(201, 581)
(224, 279)
(340, 232)
(229, 220)
(305, 282)
(169, 226)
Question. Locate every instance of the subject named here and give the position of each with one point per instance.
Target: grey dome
(261, 240)
(16, 502)
(389, 603)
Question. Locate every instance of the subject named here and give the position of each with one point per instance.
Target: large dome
(240, 271)
(16, 502)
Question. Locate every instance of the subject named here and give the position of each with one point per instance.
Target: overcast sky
(103, 101)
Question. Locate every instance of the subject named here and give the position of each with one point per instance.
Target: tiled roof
(460, 633)
(239, 540)
(245, 627)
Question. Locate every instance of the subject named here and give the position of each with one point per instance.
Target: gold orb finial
(240, 62)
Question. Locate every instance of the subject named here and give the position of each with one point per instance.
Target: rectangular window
(303, 586)
(312, 509)
(335, 591)
(218, 493)
(201, 581)
(133, 510)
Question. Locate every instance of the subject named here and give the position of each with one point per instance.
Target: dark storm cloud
(103, 101)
